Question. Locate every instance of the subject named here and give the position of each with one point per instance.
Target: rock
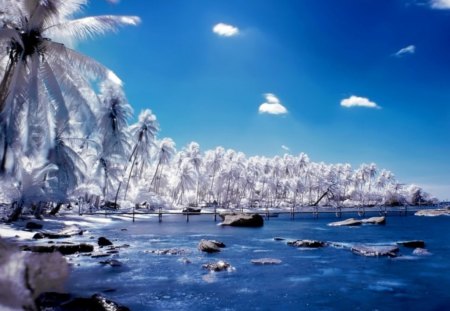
(412, 243)
(169, 251)
(192, 211)
(433, 212)
(306, 243)
(375, 251)
(347, 222)
(51, 300)
(278, 239)
(111, 262)
(33, 225)
(65, 233)
(123, 229)
(63, 249)
(38, 236)
(186, 260)
(71, 231)
(243, 220)
(381, 220)
(266, 261)
(96, 303)
(421, 252)
(218, 243)
(102, 241)
(208, 246)
(218, 266)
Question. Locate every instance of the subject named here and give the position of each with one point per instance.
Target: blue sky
(310, 55)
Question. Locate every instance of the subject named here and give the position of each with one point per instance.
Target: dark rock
(186, 260)
(113, 251)
(278, 239)
(218, 243)
(421, 252)
(375, 251)
(217, 266)
(102, 241)
(123, 229)
(412, 243)
(63, 249)
(208, 246)
(306, 243)
(192, 211)
(347, 222)
(51, 300)
(99, 255)
(111, 262)
(243, 220)
(38, 236)
(33, 225)
(266, 261)
(95, 303)
(169, 251)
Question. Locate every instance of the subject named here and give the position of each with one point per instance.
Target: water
(320, 279)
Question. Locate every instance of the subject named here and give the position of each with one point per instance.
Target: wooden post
(160, 214)
(187, 216)
(215, 213)
(133, 210)
(267, 212)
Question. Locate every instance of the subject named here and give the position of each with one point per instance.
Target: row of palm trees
(64, 134)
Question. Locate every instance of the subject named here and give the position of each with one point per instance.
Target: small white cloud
(225, 30)
(410, 49)
(272, 105)
(356, 101)
(440, 4)
(285, 148)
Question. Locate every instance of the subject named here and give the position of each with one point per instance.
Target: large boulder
(24, 276)
(210, 246)
(306, 243)
(95, 303)
(375, 251)
(243, 220)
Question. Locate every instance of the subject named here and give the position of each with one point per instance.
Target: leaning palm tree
(43, 75)
(166, 151)
(143, 132)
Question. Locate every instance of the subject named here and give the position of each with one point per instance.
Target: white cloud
(225, 30)
(272, 105)
(410, 49)
(440, 4)
(356, 101)
(285, 148)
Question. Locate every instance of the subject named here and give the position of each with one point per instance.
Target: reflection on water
(331, 278)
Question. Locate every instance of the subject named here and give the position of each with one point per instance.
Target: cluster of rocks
(364, 249)
(434, 212)
(357, 222)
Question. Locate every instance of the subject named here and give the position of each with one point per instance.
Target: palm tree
(45, 85)
(166, 151)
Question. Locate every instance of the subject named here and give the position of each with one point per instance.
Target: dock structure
(293, 212)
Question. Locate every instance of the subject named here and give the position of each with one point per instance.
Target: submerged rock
(168, 251)
(412, 243)
(33, 225)
(111, 262)
(99, 255)
(375, 251)
(306, 243)
(218, 266)
(102, 241)
(433, 212)
(421, 252)
(266, 261)
(278, 238)
(243, 220)
(210, 246)
(65, 249)
(347, 222)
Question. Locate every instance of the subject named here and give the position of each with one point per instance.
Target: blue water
(320, 279)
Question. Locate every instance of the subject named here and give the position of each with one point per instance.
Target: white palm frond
(89, 27)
